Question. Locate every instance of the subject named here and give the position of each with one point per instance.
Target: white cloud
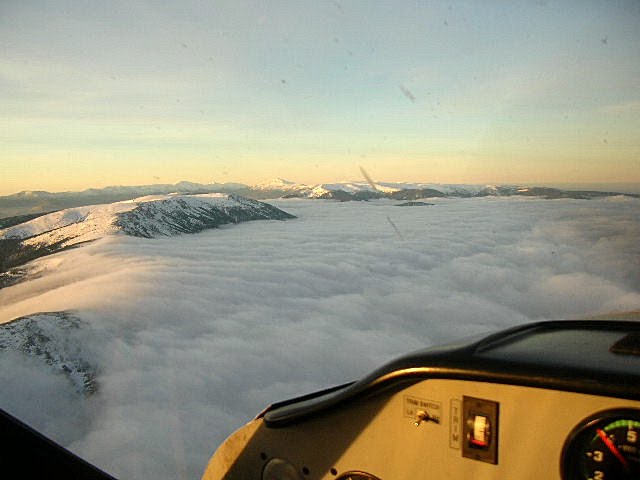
(195, 334)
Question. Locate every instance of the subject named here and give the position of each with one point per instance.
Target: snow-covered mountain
(55, 338)
(364, 190)
(280, 184)
(361, 190)
(150, 216)
(353, 190)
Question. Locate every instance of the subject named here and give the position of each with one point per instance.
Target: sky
(135, 92)
(191, 336)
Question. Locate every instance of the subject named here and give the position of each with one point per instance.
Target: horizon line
(578, 184)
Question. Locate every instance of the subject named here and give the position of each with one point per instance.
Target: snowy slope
(56, 338)
(191, 214)
(279, 187)
(70, 226)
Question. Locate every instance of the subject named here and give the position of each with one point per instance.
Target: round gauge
(604, 447)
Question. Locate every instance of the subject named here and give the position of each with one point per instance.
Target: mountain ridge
(54, 338)
(147, 217)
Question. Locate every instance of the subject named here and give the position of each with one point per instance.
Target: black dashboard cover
(25, 453)
(576, 356)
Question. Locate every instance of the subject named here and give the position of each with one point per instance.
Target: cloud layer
(194, 335)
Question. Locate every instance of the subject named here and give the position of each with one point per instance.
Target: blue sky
(99, 93)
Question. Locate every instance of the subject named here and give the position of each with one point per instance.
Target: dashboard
(553, 400)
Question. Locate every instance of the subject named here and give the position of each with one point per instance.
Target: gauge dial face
(604, 447)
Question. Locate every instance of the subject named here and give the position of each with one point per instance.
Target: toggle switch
(423, 416)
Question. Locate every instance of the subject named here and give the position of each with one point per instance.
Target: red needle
(607, 441)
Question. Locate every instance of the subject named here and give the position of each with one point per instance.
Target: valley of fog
(193, 335)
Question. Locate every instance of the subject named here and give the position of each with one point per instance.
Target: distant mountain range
(149, 216)
(25, 204)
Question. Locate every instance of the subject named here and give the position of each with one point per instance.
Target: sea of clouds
(193, 335)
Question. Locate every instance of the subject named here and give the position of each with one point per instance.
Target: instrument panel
(440, 428)
(552, 400)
